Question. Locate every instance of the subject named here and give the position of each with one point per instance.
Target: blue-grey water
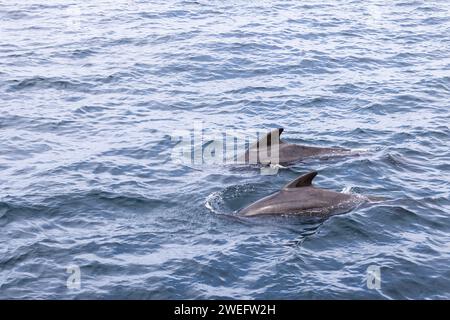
(91, 93)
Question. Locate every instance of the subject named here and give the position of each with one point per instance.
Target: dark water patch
(82, 53)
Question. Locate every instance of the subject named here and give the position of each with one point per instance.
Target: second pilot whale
(270, 149)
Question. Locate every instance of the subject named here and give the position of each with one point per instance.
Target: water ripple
(94, 95)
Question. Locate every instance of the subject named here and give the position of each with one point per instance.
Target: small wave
(48, 83)
(90, 109)
(82, 53)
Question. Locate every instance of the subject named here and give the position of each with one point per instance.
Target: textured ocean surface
(92, 93)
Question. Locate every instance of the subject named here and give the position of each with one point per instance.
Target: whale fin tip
(269, 139)
(302, 181)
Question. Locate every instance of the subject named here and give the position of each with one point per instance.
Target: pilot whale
(300, 197)
(270, 149)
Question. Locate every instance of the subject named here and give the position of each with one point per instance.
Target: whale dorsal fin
(267, 139)
(302, 181)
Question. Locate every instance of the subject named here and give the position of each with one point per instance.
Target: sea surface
(94, 202)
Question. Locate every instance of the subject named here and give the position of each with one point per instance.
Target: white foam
(347, 189)
(359, 150)
(212, 200)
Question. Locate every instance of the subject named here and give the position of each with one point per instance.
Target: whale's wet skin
(270, 149)
(91, 97)
(301, 198)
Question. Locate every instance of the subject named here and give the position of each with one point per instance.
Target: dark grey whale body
(287, 152)
(299, 197)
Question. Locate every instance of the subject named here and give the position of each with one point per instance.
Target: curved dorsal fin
(271, 138)
(302, 181)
